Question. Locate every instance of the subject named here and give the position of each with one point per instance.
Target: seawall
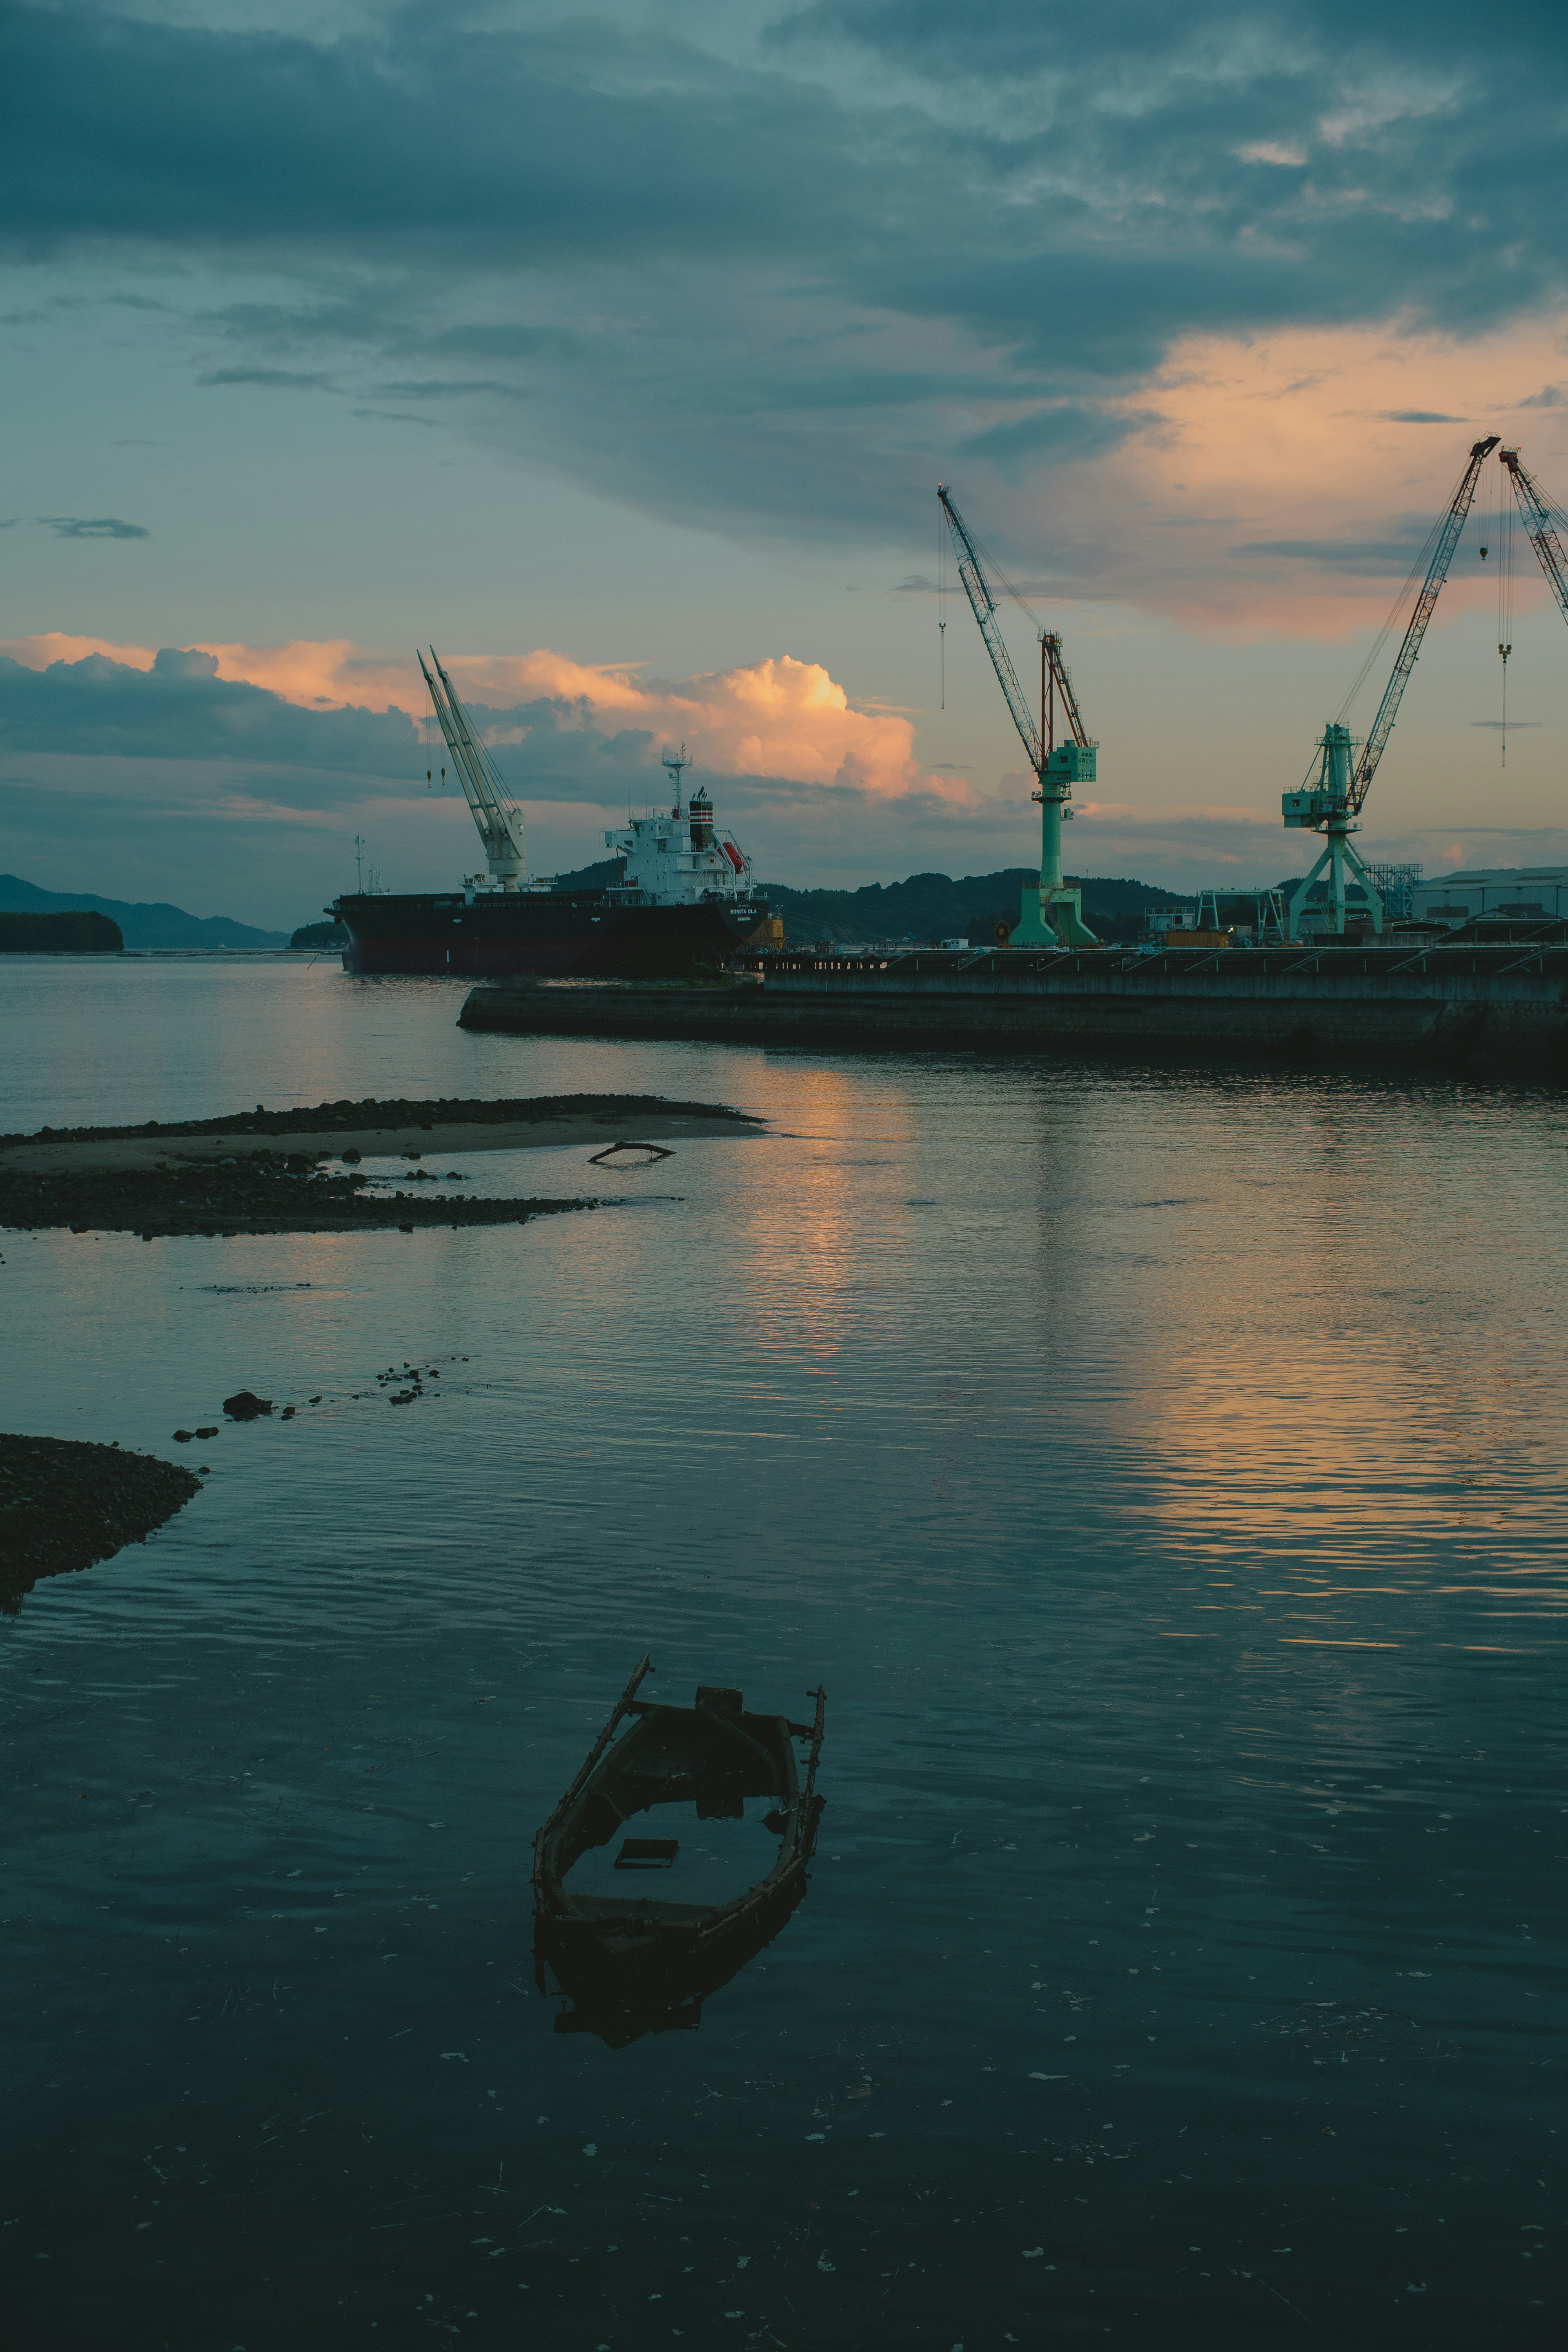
(1503, 1007)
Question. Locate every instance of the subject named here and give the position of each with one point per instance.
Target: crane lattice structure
(495, 812)
(1052, 915)
(1541, 521)
(1332, 806)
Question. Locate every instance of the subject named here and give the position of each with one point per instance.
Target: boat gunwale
(586, 1918)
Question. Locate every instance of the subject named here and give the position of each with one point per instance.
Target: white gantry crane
(1333, 805)
(1052, 915)
(495, 812)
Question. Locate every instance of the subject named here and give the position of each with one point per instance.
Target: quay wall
(1484, 1007)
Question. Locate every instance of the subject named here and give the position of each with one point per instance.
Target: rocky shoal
(65, 1503)
(267, 1192)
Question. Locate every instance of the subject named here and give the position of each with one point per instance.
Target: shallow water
(1163, 1471)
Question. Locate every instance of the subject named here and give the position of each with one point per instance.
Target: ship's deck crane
(1541, 525)
(1333, 803)
(495, 812)
(1052, 915)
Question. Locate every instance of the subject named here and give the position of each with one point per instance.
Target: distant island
(78, 932)
(143, 929)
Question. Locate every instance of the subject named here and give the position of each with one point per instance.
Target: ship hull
(584, 936)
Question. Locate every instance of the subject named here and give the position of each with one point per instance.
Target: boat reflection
(663, 1994)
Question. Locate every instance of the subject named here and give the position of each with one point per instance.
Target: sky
(618, 350)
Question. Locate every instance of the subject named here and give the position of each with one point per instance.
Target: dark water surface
(1164, 1471)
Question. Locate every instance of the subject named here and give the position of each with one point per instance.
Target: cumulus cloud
(178, 708)
(559, 728)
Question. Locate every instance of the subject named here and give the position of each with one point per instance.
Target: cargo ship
(683, 893)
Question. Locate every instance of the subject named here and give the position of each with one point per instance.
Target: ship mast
(495, 813)
(677, 762)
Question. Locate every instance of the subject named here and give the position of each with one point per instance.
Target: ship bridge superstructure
(678, 857)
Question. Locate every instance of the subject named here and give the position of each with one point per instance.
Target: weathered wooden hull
(639, 1957)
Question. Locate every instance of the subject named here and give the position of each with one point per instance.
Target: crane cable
(942, 603)
(1417, 574)
(1505, 589)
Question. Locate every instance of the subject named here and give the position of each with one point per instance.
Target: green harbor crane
(1333, 805)
(1052, 915)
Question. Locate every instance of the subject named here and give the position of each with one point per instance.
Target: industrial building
(1537, 893)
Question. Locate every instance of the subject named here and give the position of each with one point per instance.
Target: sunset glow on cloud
(1269, 495)
(778, 716)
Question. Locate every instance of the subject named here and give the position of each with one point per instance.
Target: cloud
(557, 726)
(95, 527)
(885, 236)
(179, 709)
(1551, 395)
(1273, 150)
(1418, 416)
(1377, 555)
(1064, 430)
(273, 379)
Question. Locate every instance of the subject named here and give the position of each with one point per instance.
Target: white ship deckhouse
(679, 859)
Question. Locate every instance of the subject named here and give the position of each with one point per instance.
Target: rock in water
(244, 1406)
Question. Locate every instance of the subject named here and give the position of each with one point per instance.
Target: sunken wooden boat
(633, 1936)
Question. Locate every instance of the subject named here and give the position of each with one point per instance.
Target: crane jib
(1436, 573)
(499, 821)
(1540, 528)
(983, 604)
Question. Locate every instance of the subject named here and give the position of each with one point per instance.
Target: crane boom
(983, 606)
(496, 815)
(1540, 528)
(1052, 915)
(1061, 683)
(1452, 525)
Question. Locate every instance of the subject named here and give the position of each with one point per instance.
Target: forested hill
(934, 906)
(928, 906)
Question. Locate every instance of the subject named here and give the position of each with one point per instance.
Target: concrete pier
(1467, 1007)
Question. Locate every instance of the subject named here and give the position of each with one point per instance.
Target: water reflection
(1179, 1947)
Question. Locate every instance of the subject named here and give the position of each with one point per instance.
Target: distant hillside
(143, 927)
(928, 906)
(934, 906)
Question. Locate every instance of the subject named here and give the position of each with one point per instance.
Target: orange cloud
(1308, 435)
(778, 716)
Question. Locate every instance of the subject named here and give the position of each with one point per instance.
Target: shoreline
(374, 1129)
(228, 1176)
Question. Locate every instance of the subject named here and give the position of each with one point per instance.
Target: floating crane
(1333, 803)
(1540, 525)
(495, 812)
(1052, 915)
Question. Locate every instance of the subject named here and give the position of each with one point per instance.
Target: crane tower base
(1050, 918)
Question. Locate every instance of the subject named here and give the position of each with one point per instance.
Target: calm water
(1165, 1474)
